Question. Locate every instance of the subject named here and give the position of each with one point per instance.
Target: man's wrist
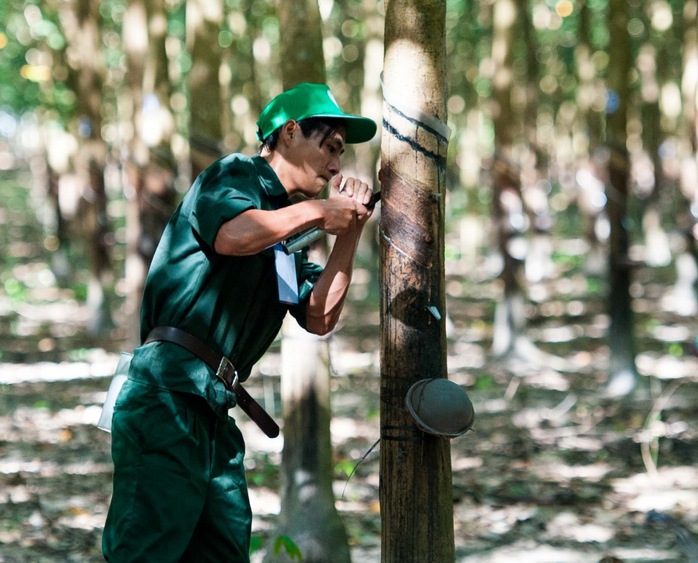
(350, 237)
(312, 215)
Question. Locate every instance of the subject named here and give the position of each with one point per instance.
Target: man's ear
(289, 130)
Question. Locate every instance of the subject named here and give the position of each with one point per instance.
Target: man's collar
(270, 182)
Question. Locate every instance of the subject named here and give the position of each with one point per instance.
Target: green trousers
(179, 482)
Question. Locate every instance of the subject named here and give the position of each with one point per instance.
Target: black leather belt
(224, 370)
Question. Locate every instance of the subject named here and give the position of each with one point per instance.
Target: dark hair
(309, 126)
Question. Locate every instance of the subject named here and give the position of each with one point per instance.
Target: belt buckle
(223, 368)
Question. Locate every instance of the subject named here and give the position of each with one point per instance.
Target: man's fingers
(357, 189)
(336, 183)
(348, 188)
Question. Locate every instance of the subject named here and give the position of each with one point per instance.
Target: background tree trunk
(657, 251)
(507, 208)
(622, 370)
(308, 513)
(415, 469)
(135, 38)
(685, 296)
(83, 30)
(204, 20)
(301, 43)
(588, 182)
(150, 168)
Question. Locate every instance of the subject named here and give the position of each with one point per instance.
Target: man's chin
(320, 188)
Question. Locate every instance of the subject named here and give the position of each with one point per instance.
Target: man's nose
(334, 166)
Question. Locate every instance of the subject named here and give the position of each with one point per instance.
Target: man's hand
(345, 209)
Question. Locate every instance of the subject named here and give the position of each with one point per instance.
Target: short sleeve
(223, 191)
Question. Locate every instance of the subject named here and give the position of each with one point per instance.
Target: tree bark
(415, 469)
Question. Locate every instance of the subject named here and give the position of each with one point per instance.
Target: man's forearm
(330, 291)
(255, 229)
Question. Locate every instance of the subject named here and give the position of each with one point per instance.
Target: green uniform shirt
(231, 303)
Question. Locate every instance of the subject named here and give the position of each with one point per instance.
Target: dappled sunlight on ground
(671, 489)
(548, 473)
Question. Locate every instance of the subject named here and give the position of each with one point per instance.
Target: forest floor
(550, 473)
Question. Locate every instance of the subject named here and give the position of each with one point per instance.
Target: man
(220, 276)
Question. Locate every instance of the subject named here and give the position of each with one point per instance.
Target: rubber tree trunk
(308, 513)
(588, 121)
(507, 208)
(415, 468)
(204, 20)
(622, 358)
(689, 170)
(658, 67)
(81, 25)
(149, 170)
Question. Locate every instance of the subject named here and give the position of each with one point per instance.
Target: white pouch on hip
(117, 382)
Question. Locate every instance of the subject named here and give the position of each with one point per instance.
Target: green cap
(311, 100)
